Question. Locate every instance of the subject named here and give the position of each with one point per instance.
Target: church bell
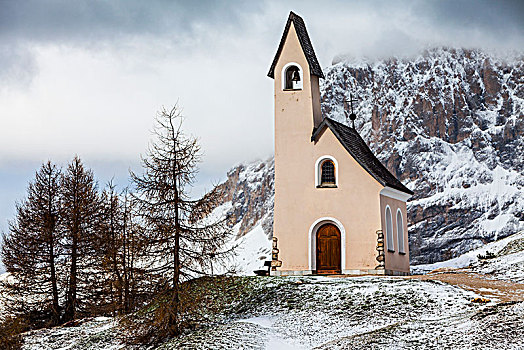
(296, 76)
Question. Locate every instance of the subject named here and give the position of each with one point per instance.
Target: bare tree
(72, 251)
(140, 283)
(111, 242)
(183, 240)
(123, 266)
(81, 225)
(31, 250)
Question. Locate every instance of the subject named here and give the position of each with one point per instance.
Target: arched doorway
(328, 249)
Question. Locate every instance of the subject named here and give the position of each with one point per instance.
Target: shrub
(10, 333)
(202, 301)
(488, 255)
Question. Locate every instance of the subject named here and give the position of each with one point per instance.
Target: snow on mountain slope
(250, 189)
(252, 248)
(449, 123)
(502, 259)
(247, 203)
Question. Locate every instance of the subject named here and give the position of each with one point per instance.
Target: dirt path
(488, 288)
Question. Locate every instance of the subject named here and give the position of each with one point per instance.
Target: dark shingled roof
(305, 42)
(357, 147)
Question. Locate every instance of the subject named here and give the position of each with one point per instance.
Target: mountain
(449, 123)
(250, 189)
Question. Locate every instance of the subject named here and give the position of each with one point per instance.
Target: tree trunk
(54, 284)
(70, 310)
(176, 253)
(124, 256)
(52, 219)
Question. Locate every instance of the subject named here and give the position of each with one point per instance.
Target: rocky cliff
(250, 189)
(449, 123)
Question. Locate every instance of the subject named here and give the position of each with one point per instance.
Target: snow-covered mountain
(449, 123)
(247, 201)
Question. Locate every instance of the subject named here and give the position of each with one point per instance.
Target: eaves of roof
(305, 43)
(359, 150)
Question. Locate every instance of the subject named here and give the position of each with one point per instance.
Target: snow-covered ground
(253, 249)
(3, 277)
(98, 333)
(341, 313)
(507, 262)
(331, 313)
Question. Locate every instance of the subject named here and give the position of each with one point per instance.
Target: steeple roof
(305, 42)
(359, 150)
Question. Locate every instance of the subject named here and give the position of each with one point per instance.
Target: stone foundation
(380, 272)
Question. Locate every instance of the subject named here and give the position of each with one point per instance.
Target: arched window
(400, 232)
(327, 173)
(389, 230)
(292, 77)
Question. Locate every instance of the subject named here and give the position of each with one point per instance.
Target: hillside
(329, 313)
(449, 123)
(436, 310)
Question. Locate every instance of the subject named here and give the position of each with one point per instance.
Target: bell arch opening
(292, 77)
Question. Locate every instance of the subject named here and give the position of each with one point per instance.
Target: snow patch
(470, 258)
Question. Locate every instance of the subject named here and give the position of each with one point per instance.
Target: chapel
(338, 210)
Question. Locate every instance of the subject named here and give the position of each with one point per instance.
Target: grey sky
(87, 77)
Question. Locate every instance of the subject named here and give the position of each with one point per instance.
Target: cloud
(18, 65)
(370, 28)
(86, 77)
(379, 29)
(109, 25)
(88, 20)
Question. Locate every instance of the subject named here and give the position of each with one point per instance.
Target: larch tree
(112, 239)
(123, 264)
(81, 226)
(183, 240)
(139, 284)
(31, 250)
(72, 251)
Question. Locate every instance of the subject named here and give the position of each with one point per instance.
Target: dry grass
(10, 333)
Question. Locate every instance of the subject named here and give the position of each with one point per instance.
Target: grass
(360, 313)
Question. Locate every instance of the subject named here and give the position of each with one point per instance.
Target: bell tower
(296, 72)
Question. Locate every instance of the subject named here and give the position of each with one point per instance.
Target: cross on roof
(352, 116)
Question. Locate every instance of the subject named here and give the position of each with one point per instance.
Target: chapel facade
(338, 210)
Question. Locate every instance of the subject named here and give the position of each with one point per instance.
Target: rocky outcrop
(250, 189)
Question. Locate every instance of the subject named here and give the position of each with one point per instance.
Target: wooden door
(328, 249)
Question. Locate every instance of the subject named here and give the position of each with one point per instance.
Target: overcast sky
(87, 77)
